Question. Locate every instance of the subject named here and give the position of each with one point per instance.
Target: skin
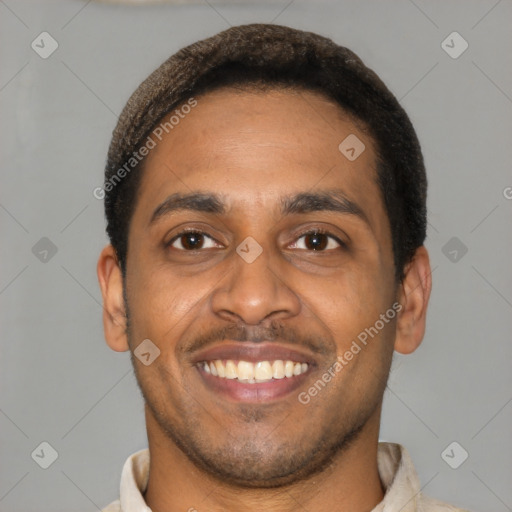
(207, 451)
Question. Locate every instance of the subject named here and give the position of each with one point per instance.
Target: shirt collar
(398, 478)
(134, 481)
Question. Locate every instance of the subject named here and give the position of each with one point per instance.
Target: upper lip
(253, 352)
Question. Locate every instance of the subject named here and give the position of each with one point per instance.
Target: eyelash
(319, 231)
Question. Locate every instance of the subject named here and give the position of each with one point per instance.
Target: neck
(351, 482)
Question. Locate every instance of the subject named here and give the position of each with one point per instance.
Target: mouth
(246, 372)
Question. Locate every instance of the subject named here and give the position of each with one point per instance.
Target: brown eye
(192, 240)
(317, 241)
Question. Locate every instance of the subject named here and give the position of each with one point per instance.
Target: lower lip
(257, 392)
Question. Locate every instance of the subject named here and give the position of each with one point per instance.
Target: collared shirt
(396, 471)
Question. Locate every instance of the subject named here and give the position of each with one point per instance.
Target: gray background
(60, 383)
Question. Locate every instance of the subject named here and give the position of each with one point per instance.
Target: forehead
(254, 147)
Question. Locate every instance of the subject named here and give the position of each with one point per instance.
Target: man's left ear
(414, 294)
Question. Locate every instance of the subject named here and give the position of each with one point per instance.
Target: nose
(254, 292)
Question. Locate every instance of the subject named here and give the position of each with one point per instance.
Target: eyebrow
(305, 202)
(198, 202)
(328, 200)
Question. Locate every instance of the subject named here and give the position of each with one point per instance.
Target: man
(265, 202)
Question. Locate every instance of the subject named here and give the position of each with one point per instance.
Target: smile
(248, 372)
(254, 372)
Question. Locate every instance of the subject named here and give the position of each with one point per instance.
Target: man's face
(324, 275)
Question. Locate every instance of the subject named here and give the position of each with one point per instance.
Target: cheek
(351, 311)
(350, 303)
(162, 302)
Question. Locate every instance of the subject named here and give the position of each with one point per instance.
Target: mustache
(318, 344)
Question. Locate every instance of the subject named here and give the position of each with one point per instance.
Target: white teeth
(248, 372)
(231, 370)
(220, 368)
(245, 370)
(278, 369)
(263, 370)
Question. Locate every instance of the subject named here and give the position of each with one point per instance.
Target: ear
(114, 314)
(414, 294)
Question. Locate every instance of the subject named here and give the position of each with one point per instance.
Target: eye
(317, 241)
(191, 241)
